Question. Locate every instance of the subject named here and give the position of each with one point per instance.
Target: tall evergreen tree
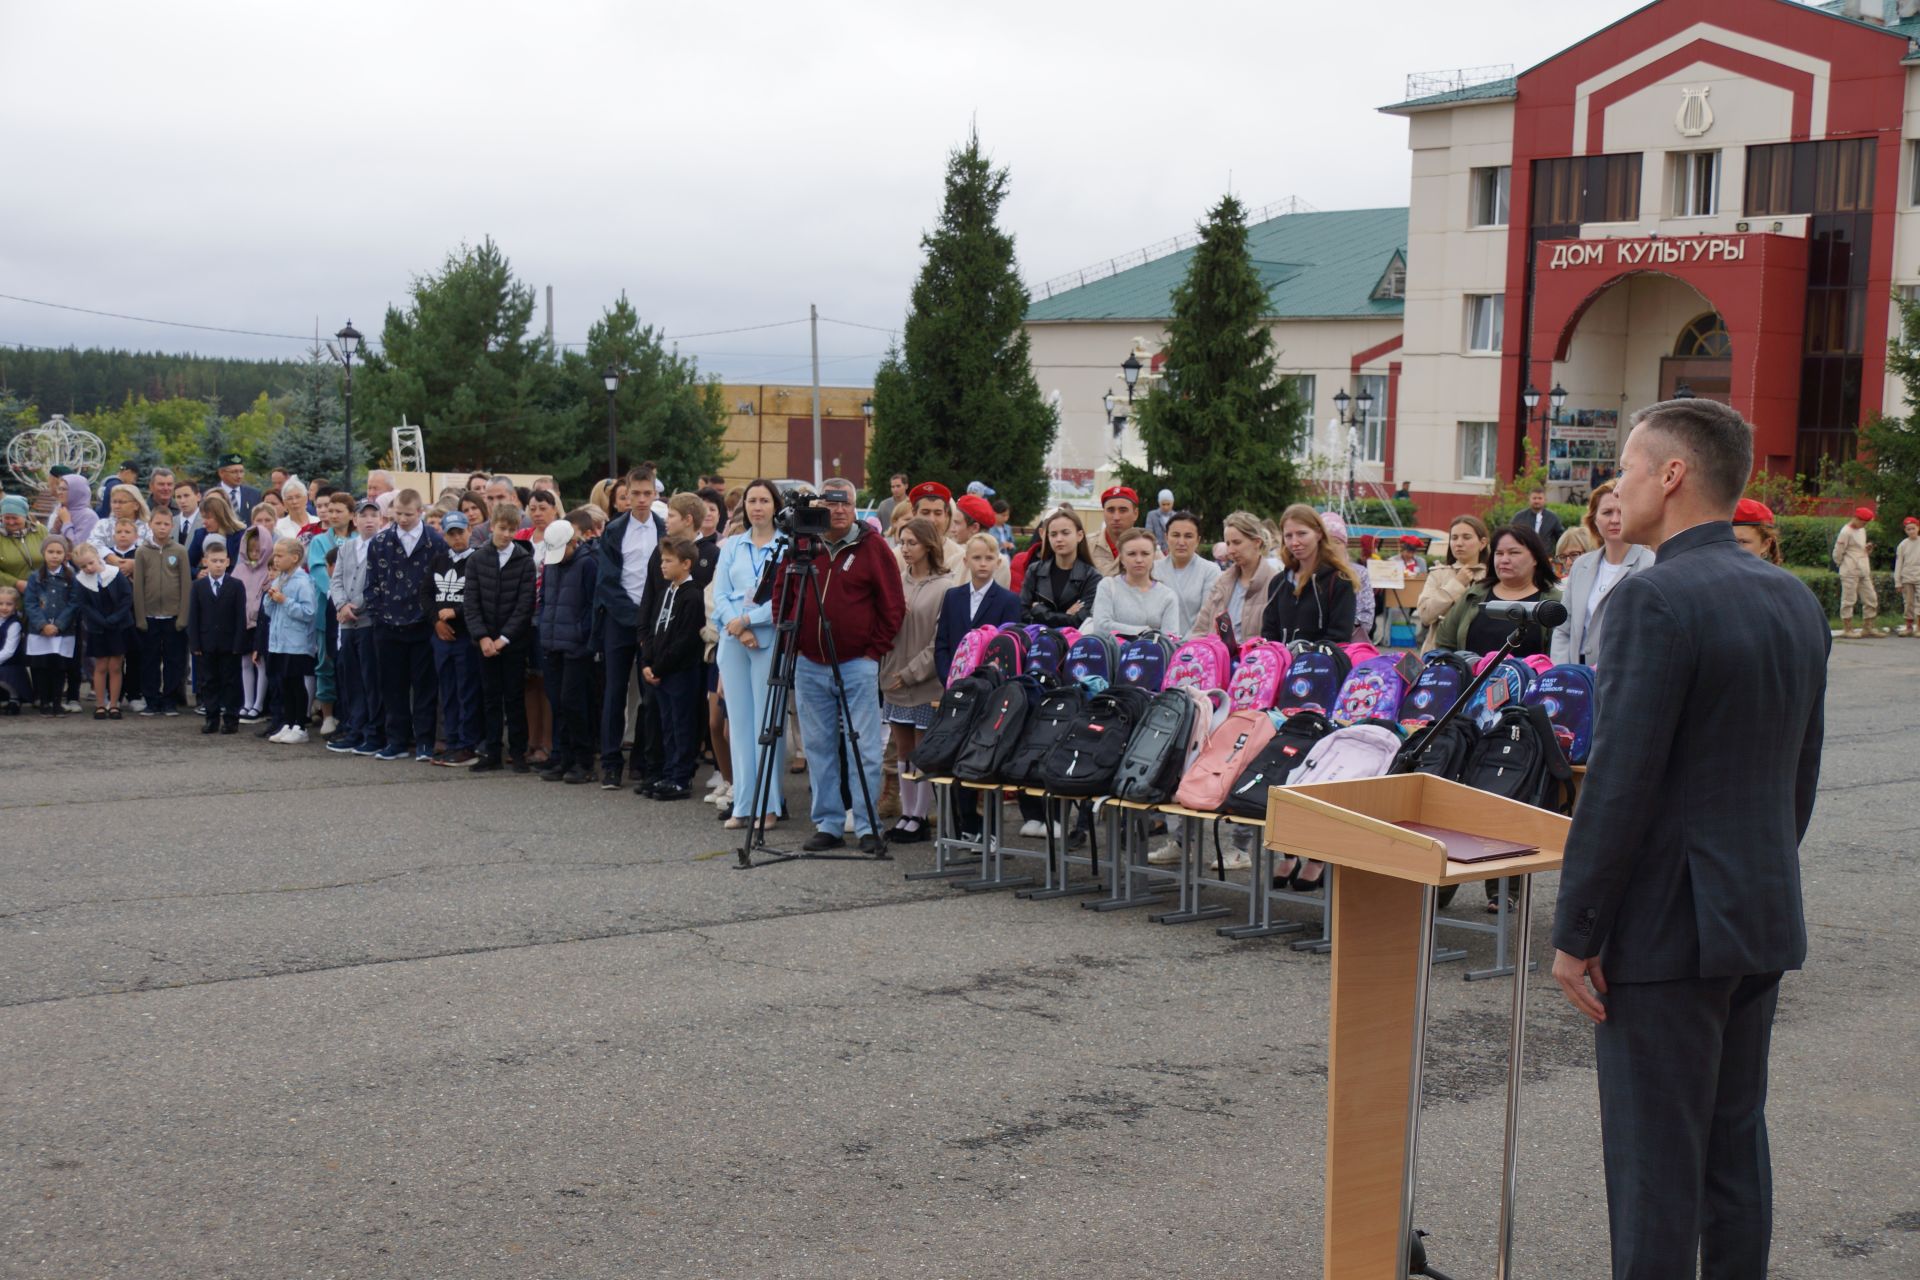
(460, 363)
(203, 465)
(957, 401)
(143, 449)
(664, 412)
(1225, 436)
(309, 441)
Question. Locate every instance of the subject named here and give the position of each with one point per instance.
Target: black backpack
(1046, 723)
(1520, 758)
(962, 701)
(996, 732)
(1083, 761)
(1156, 754)
(1444, 755)
(1289, 746)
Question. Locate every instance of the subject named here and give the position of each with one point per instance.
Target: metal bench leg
(1190, 909)
(945, 865)
(993, 863)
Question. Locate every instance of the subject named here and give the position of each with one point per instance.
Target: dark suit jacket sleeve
(1647, 663)
(1004, 604)
(196, 618)
(1807, 777)
(946, 637)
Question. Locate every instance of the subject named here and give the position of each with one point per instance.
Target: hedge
(1807, 541)
(1375, 511)
(1571, 515)
(1825, 585)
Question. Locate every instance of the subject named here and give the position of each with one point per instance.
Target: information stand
(1385, 893)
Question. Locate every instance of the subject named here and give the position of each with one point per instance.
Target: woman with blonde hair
(1450, 576)
(1593, 576)
(1317, 592)
(908, 682)
(1240, 592)
(216, 518)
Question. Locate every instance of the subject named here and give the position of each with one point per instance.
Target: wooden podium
(1385, 888)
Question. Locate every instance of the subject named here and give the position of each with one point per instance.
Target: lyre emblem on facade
(1695, 117)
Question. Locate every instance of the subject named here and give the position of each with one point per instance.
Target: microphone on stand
(1542, 613)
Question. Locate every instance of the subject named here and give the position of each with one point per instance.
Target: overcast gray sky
(258, 166)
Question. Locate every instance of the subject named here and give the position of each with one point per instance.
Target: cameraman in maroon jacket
(860, 586)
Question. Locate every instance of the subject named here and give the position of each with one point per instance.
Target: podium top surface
(1352, 824)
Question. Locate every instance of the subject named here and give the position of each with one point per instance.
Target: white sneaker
(1166, 855)
(329, 726)
(295, 735)
(72, 706)
(279, 735)
(1236, 860)
(136, 704)
(1033, 829)
(715, 781)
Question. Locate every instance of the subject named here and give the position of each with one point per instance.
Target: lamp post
(1130, 370)
(1116, 416)
(1530, 398)
(349, 340)
(1353, 421)
(610, 379)
(1682, 390)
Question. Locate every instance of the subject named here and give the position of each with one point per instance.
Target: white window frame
(1695, 183)
(1913, 175)
(1373, 428)
(1307, 385)
(1485, 322)
(1491, 185)
(1481, 441)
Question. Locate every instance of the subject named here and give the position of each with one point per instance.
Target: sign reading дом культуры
(1648, 252)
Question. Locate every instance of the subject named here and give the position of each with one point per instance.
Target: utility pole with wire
(813, 325)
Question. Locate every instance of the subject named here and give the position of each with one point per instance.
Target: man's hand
(647, 673)
(348, 613)
(1574, 976)
(443, 631)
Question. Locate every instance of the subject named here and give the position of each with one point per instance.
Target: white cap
(1166, 495)
(555, 541)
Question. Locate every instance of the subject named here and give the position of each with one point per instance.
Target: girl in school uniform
(253, 565)
(53, 616)
(106, 617)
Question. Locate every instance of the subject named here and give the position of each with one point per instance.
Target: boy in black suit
(217, 634)
(670, 664)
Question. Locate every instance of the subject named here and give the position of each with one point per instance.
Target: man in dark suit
(1679, 901)
(217, 635)
(624, 552)
(1537, 519)
(233, 486)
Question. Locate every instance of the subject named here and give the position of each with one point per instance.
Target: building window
(1577, 189)
(1696, 184)
(1835, 176)
(1479, 450)
(1490, 196)
(1303, 385)
(1373, 428)
(1913, 166)
(1486, 317)
(1704, 338)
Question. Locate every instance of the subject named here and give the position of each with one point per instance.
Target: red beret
(978, 510)
(1412, 540)
(1911, 520)
(1751, 512)
(1863, 513)
(1119, 491)
(929, 489)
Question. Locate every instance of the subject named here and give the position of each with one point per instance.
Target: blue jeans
(820, 734)
(456, 664)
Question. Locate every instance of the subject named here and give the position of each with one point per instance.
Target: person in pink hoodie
(73, 515)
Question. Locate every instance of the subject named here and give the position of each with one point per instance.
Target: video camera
(804, 514)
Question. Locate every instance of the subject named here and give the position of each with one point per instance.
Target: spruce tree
(143, 449)
(308, 442)
(956, 401)
(209, 443)
(664, 412)
(1223, 435)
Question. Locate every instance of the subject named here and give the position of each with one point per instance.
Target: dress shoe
(821, 840)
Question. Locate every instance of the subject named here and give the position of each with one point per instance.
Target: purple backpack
(1442, 678)
(1046, 650)
(1508, 685)
(1372, 691)
(1144, 660)
(1203, 662)
(1313, 682)
(1565, 693)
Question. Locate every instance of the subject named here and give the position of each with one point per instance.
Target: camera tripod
(795, 575)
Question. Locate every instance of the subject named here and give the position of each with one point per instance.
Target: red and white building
(1717, 195)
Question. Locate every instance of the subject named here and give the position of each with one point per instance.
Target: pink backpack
(1360, 651)
(1256, 682)
(972, 648)
(1540, 662)
(1230, 749)
(1202, 663)
(1373, 691)
(1358, 751)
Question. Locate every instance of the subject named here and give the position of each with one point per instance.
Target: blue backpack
(1092, 658)
(1566, 694)
(1046, 650)
(1313, 681)
(1507, 686)
(1144, 661)
(1441, 679)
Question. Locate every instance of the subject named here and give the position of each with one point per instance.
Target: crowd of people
(628, 638)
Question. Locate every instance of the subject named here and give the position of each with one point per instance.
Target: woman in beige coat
(1240, 591)
(1448, 579)
(908, 682)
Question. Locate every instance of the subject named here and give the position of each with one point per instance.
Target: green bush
(1376, 511)
(1825, 585)
(1570, 513)
(1807, 541)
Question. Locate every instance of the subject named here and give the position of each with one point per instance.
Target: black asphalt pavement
(266, 1012)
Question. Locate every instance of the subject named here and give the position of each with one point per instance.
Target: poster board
(1585, 445)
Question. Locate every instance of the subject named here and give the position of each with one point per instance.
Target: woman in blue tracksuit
(745, 649)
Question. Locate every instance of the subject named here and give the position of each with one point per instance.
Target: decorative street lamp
(1530, 398)
(1354, 422)
(866, 408)
(1130, 370)
(349, 340)
(610, 379)
(1682, 391)
(1116, 416)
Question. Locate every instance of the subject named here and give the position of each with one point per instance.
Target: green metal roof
(1491, 91)
(1313, 264)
